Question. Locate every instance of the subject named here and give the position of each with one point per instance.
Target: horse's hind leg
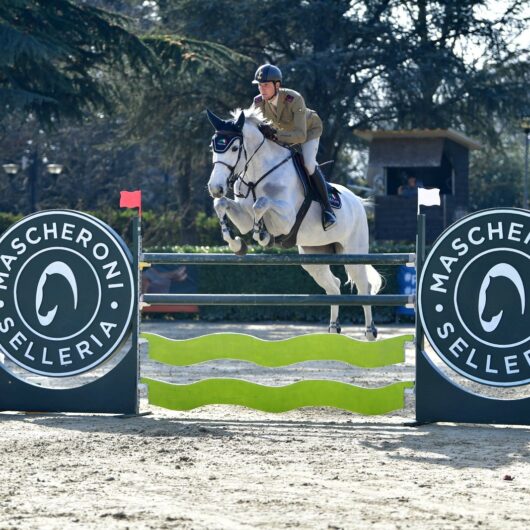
(368, 282)
(327, 280)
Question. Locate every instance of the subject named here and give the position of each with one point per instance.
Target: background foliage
(116, 91)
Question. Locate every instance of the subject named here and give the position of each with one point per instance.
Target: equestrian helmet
(266, 73)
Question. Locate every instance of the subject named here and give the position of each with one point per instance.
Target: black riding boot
(319, 185)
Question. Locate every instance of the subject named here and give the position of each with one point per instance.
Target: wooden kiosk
(436, 158)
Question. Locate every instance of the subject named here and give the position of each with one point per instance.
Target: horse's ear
(217, 122)
(240, 121)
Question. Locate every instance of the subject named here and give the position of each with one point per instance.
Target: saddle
(310, 195)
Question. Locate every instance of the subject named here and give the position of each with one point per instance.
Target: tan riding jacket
(294, 122)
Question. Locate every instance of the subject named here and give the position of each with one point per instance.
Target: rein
(232, 177)
(252, 185)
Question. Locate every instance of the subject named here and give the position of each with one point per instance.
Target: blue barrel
(406, 279)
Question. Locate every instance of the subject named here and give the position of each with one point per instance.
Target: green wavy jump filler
(311, 393)
(274, 353)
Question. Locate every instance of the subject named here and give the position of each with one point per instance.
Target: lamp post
(33, 175)
(525, 125)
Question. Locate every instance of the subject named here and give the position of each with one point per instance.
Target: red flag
(131, 199)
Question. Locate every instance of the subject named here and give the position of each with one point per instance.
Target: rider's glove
(267, 131)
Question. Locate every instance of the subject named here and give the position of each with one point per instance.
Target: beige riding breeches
(309, 151)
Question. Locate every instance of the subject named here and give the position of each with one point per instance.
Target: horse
(268, 195)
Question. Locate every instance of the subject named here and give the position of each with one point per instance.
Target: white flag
(428, 197)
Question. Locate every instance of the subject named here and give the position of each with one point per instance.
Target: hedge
(8, 219)
(270, 279)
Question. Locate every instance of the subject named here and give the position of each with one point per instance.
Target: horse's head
(56, 283)
(228, 152)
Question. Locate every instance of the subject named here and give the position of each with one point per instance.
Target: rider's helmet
(267, 72)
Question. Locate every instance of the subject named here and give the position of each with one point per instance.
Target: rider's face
(267, 90)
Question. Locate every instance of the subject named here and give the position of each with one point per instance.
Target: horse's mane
(252, 115)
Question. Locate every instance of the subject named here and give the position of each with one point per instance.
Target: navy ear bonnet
(226, 131)
(222, 140)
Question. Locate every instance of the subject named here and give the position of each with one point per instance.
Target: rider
(293, 124)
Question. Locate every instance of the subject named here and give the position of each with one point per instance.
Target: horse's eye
(235, 148)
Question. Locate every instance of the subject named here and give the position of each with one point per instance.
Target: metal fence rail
(280, 299)
(278, 259)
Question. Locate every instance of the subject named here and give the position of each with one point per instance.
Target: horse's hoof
(264, 238)
(334, 327)
(243, 250)
(371, 332)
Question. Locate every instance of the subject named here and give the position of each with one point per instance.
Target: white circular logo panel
(66, 293)
(474, 297)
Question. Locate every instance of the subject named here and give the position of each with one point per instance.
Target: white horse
(268, 195)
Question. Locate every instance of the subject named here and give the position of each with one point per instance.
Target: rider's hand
(267, 131)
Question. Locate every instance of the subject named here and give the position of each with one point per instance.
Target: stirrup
(328, 219)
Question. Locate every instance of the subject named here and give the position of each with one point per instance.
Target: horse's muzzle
(216, 191)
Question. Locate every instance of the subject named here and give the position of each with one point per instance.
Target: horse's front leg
(280, 219)
(241, 218)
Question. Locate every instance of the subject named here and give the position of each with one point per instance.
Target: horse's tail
(368, 204)
(374, 278)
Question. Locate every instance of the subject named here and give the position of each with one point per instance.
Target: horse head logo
(43, 286)
(500, 270)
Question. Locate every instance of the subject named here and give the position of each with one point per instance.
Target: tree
(360, 64)
(194, 74)
(498, 174)
(83, 62)
(453, 64)
(388, 63)
(369, 63)
(60, 59)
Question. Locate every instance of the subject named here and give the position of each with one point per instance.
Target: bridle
(221, 142)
